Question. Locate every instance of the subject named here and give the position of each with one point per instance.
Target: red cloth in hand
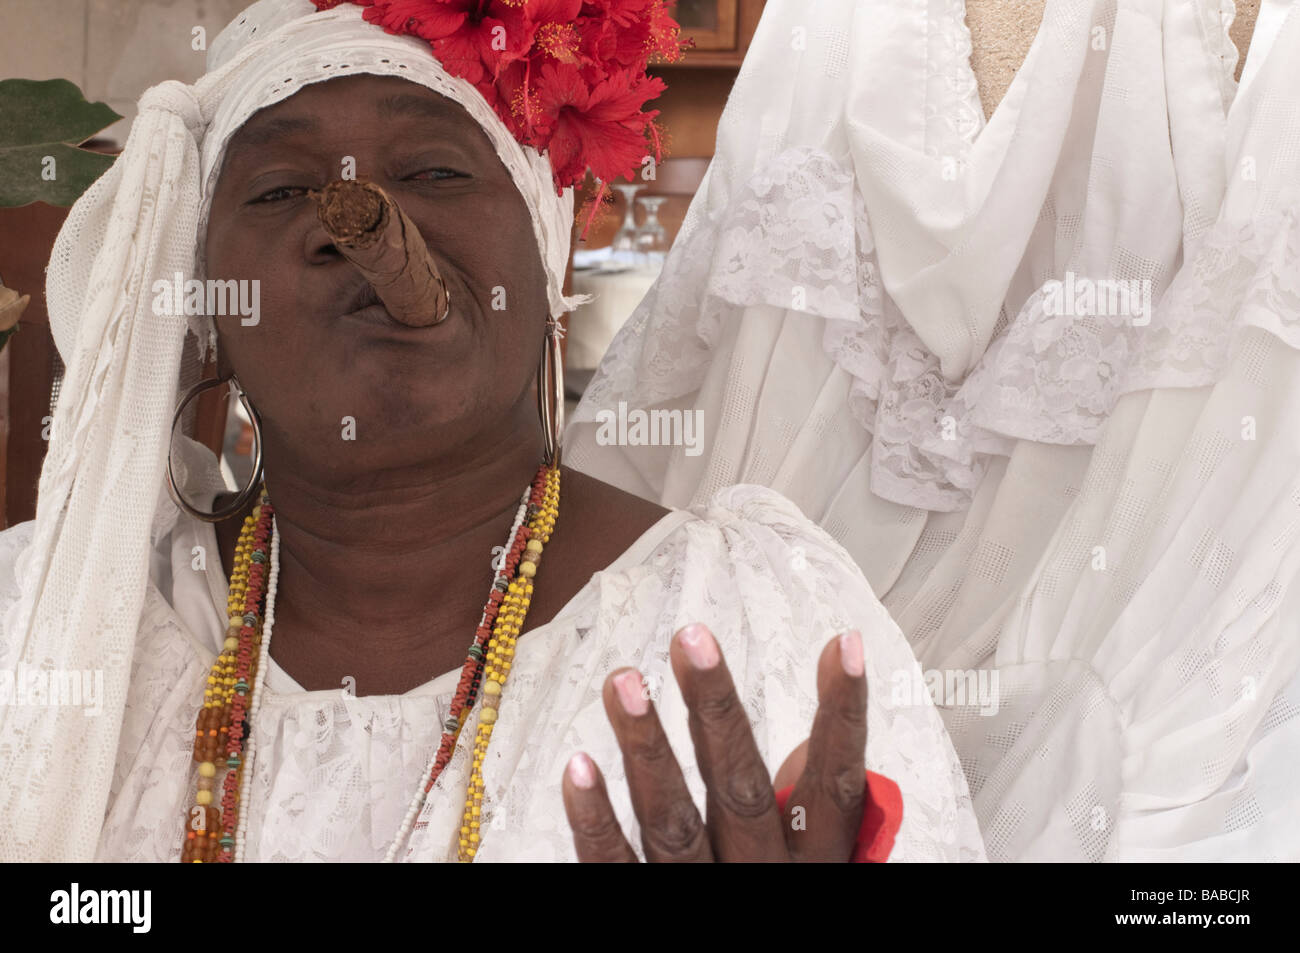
(881, 816)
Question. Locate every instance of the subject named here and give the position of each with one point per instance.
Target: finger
(828, 797)
(671, 827)
(597, 835)
(743, 820)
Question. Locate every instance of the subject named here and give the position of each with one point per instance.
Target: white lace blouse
(333, 774)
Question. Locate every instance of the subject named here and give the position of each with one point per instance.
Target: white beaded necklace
(263, 663)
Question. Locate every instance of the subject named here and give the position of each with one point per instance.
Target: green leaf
(44, 119)
(6, 335)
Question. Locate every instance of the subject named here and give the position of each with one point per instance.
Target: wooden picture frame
(721, 30)
(710, 23)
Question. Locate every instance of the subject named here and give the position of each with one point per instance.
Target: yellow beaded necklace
(212, 835)
(500, 652)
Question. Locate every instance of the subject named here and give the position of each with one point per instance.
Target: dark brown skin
(741, 821)
(386, 540)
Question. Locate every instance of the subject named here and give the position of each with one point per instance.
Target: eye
(278, 194)
(436, 175)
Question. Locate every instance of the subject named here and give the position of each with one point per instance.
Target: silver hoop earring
(247, 492)
(550, 392)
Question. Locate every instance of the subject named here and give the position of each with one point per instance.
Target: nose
(318, 246)
(369, 228)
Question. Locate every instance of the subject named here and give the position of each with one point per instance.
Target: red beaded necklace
(221, 726)
(223, 722)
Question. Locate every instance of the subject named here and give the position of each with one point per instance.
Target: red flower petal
(567, 77)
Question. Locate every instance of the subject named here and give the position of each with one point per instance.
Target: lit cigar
(373, 233)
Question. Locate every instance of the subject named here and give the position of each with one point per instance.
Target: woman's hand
(743, 823)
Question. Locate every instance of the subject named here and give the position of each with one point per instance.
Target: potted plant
(43, 124)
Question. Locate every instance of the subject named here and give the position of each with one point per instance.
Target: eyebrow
(397, 105)
(273, 129)
(393, 106)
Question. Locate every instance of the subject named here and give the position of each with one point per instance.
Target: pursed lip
(378, 315)
(362, 296)
(365, 306)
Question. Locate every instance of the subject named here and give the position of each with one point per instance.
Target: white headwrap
(102, 488)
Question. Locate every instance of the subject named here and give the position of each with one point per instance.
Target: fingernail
(631, 693)
(851, 652)
(581, 771)
(700, 646)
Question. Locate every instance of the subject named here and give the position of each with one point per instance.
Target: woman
(394, 457)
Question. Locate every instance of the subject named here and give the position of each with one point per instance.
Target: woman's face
(414, 394)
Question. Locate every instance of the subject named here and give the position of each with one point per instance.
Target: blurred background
(113, 50)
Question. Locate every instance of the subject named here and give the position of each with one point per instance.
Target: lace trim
(797, 238)
(1055, 378)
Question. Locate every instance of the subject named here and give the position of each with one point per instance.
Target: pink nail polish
(581, 771)
(851, 652)
(631, 692)
(701, 648)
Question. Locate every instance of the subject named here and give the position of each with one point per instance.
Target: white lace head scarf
(102, 501)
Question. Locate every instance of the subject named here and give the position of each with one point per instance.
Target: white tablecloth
(593, 326)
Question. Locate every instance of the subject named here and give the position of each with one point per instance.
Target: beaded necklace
(235, 685)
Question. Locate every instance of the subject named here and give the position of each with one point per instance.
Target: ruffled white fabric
(334, 773)
(1149, 665)
(916, 236)
(1105, 513)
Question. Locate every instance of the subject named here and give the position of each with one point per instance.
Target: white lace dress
(333, 774)
(1102, 507)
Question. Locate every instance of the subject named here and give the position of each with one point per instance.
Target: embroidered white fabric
(334, 772)
(1105, 513)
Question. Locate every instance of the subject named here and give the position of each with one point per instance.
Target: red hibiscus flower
(601, 127)
(567, 77)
